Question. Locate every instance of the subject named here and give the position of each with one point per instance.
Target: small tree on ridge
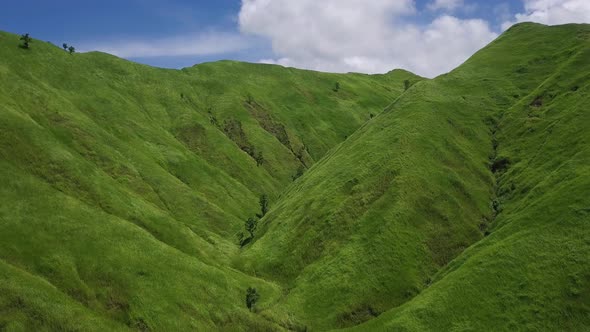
(26, 39)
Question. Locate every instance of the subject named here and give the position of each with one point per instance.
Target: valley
(395, 202)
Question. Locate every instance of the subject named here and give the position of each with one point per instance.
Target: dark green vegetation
(26, 40)
(252, 297)
(464, 206)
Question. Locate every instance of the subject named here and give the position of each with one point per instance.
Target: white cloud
(448, 5)
(553, 12)
(210, 43)
(362, 36)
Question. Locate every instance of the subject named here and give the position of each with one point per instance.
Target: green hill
(454, 159)
(124, 186)
(532, 272)
(460, 204)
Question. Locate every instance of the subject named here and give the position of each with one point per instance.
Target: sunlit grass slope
(123, 186)
(463, 206)
(533, 271)
(498, 147)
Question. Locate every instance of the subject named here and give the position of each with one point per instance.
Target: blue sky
(100, 22)
(328, 35)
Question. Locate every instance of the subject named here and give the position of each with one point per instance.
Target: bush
(263, 205)
(26, 39)
(336, 87)
(407, 84)
(212, 118)
(259, 158)
(71, 49)
(500, 165)
(251, 225)
(252, 297)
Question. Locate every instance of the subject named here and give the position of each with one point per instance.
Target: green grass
(532, 271)
(124, 186)
(458, 205)
(412, 190)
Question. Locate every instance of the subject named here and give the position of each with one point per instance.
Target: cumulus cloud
(210, 43)
(553, 12)
(362, 36)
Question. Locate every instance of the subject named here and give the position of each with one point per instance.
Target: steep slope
(369, 227)
(463, 206)
(532, 272)
(123, 186)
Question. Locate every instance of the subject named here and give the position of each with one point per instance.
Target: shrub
(252, 297)
(407, 84)
(336, 87)
(251, 225)
(212, 118)
(538, 102)
(26, 39)
(259, 158)
(263, 205)
(65, 46)
(71, 49)
(500, 165)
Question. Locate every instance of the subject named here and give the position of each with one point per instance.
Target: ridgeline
(378, 202)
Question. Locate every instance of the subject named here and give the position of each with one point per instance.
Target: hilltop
(457, 203)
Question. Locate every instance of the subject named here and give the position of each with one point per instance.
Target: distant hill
(459, 204)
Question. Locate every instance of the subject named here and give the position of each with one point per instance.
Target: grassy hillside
(532, 272)
(463, 206)
(453, 160)
(124, 186)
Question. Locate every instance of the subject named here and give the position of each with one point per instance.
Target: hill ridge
(334, 282)
(456, 204)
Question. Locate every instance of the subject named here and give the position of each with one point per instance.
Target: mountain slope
(463, 206)
(532, 272)
(368, 227)
(123, 186)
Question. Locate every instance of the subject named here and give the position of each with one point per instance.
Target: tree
(26, 39)
(71, 49)
(336, 87)
(263, 205)
(407, 84)
(252, 297)
(65, 46)
(251, 225)
(259, 158)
